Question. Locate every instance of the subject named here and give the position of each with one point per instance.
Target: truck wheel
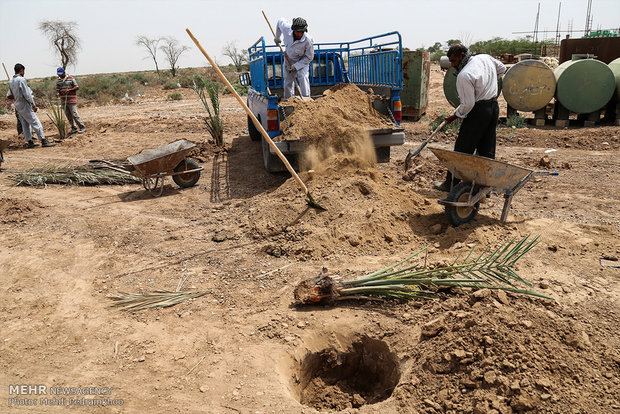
(383, 154)
(255, 135)
(189, 179)
(460, 215)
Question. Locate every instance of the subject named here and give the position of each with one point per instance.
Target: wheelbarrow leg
(507, 201)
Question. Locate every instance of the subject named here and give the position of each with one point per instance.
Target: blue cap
(60, 71)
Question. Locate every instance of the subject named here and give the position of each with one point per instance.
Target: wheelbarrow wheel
(189, 179)
(460, 215)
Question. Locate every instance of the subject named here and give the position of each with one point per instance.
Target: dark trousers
(19, 124)
(477, 132)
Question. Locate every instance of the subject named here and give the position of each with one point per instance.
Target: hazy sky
(108, 29)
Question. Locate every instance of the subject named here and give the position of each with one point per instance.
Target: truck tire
(460, 215)
(383, 154)
(255, 134)
(189, 179)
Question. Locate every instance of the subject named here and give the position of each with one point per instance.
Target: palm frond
(491, 269)
(69, 176)
(155, 299)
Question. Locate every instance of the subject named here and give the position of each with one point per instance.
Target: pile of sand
(494, 352)
(337, 123)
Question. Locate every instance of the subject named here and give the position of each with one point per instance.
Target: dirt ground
(246, 237)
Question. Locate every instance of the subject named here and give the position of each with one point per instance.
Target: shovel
(303, 98)
(411, 155)
(258, 125)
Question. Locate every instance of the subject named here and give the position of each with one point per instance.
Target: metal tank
(528, 85)
(449, 87)
(584, 85)
(615, 68)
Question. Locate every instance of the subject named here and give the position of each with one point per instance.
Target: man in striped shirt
(67, 87)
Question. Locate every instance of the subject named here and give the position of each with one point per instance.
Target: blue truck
(374, 62)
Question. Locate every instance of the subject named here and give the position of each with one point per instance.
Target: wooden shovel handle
(250, 114)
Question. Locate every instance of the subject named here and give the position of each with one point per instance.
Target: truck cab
(373, 62)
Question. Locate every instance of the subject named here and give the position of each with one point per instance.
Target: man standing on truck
(300, 52)
(476, 84)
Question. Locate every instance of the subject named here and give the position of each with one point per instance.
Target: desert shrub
(186, 81)
(175, 96)
(106, 88)
(241, 90)
(43, 88)
(517, 121)
(170, 84)
(140, 77)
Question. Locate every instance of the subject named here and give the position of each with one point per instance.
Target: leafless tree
(63, 37)
(172, 50)
(466, 38)
(238, 57)
(151, 45)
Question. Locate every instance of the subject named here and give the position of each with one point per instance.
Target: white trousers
(29, 119)
(303, 79)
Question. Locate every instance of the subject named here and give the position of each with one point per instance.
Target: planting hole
(365, 373)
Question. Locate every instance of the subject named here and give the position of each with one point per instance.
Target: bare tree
(238, 57)
(466, 38)
(172, 50)
(151, 45)
(63, 37)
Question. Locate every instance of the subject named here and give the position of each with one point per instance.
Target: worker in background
(476, 84)
(26, 107)
(67, 87)
(300, 52)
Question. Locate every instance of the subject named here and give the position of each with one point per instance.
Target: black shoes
(46, 143)
(31, 144)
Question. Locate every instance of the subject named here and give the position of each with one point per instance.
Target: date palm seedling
(213, 121)
(491, 269)
(58, 117)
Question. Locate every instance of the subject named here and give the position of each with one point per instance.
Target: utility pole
(536, 30)
(557, 28)
(588, 19)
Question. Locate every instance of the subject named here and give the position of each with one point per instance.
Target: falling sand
(336, 125)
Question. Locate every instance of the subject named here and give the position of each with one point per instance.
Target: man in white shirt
(300, 52)
(476, 84)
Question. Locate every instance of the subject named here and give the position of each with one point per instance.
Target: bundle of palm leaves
(491, 269)
(214, 121)
(68, 175)
(155, 299)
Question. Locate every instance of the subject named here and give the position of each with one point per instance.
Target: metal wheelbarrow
(152, 166)
(479, 176)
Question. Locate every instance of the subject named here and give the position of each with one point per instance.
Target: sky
(108, 29)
